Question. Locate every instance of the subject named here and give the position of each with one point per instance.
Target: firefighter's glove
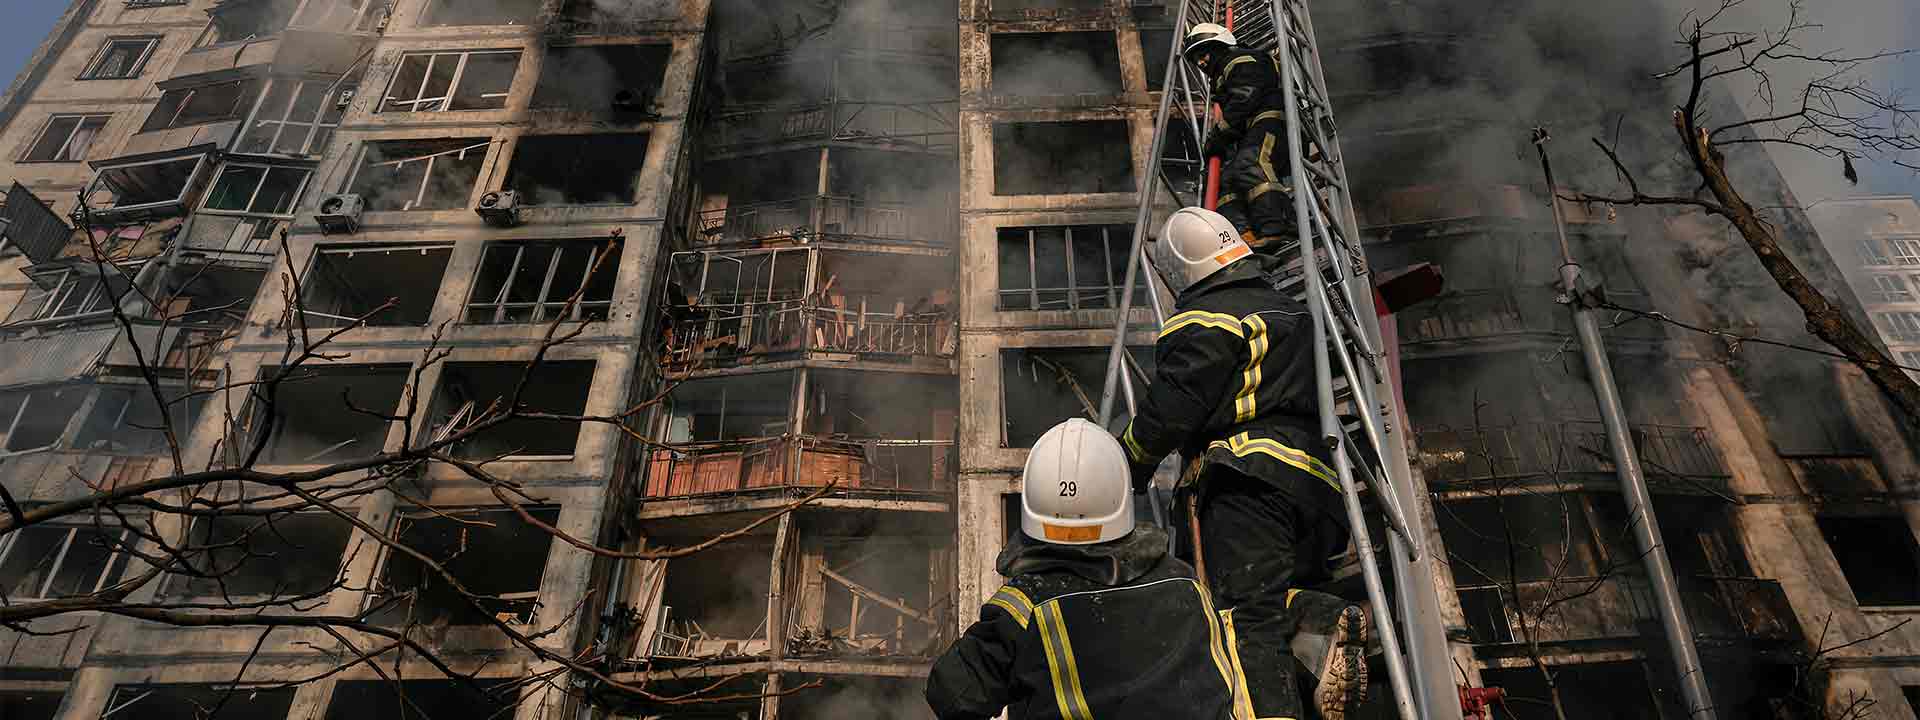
(1220, 144)
(1142, 475)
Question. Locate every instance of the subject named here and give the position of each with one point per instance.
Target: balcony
(803, 462)
(921, 126)
(1505, 312)
(1667, 453)
(1723, 610)
(715, 335)
(926, 40)
(807, 219)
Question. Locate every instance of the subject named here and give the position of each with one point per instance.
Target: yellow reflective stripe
(1216, 642)
(1242, 697)
(1134, 451)
(1067, 694)
(1220, 321)
(1266, 160)
(1269, 115)
(1290, 594)
(1264, 188)
(1244, 444)
(1226, 199)
(1246, 404)
(1016, 603)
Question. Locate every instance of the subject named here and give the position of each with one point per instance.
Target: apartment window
(1057, 63)
(36, 419)
(158, 186)
(63, 293)
(342, 15)
(1891, 288)
(51, 561)
(376, 699)
(121, 58)
(1878, 556)
(1058, 158)
(494, 552)
(578, 169)
(468, 391)
(1901, 326)
(1871, 253)
(1911, 360)
(531, 282)
(234, 21)
(313, 422)
(346, 283)
(196, 701)
(297, 117)
(288, 555)
(1157, 46)
(1905, 252)
(66, 138)
(419, 174)
(601, 76)
(30, 703)
(480, 12)
(219, 102)
(430, 82)
(1078, 267)
(256, 190)
(125, 420)
(1043, 387)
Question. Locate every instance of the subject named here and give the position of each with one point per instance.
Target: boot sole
(1343, 675)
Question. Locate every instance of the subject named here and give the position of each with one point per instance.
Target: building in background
(1877, 242)
(868, 249)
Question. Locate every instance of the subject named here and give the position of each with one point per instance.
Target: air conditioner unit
(500, 209)
(345, 98)
(340, 213)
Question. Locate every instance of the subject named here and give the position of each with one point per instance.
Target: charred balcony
(891, 100)
(1676, 458)
(837, 195)
(744, 30)
(317, 36)
(1726, 611)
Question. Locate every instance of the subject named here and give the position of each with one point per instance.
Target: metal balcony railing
(1725, 609)
(830, 218)
(805, 462)
(1568, 447)
(926, 126)
(1480, 314)
(715, 334)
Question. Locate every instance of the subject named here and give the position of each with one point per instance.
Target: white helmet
(1195, 243)
(1207, 33)
(1076, 489)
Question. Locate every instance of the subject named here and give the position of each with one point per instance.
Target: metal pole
(1626, 463)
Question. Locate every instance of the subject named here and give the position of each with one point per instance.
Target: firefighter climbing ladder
(1368, 447)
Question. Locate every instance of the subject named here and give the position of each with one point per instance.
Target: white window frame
(73, 532)
(1904, 251)
(283, 119)
(541, 308)
(1902, 326)
(1873, 253)
(389, 103)
(326, 18)
(193, 178)
(133, 71)
(419, 193)
(255, 196)
(69, 280)
(63, 155)
(1892, 289)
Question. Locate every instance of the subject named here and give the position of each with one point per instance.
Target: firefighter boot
(1332, 643)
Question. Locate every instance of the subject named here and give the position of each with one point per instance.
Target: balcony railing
(914, 466)
(1576, 447)
(927, 126)
(830, 218)
(716, 334)
(1621, 606)
(1481, 314)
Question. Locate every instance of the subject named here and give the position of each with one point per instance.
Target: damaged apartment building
(857, 253)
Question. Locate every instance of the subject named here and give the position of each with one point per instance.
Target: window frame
(69, 279)
(285, 118)
(1073, 288)
(484, 146)
(1904, 251)
(139, 65)
(444, 103)
(1885, 290)
(250, 94)
(292, 208)
(539, 308)
(1872, 252)
(1901, 325)
(66, 546)
(62, 155)
(193, 179)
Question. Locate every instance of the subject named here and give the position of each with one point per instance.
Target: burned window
(248, 20)
(1075, 267)
(30, 704)
(1878, 556)
(1778, 380)
(1043, 387)
(249, 189)
(616, 77)
(472, 392)
(716, 604)
(844, 600)
(495, 553)
(1058, 158)
(429, 82)
(125, 420)
(731, 408)
(480, 12)
(578, 169)
(66, 138)
(313, 421)
(53, 561)
(532, 282)
(66, 293)
(37, 419)
(1157, 46)
(198, 701)
(121, 58)
(346, 283)
(419, 174)
(380, 700)
(219, 102)
(297, 117)
(1588, 691)
(283, 556)
(1521, 538)
(161, 185)
(1060, 63)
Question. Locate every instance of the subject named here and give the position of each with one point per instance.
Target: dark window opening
(233, 21)
(257, 190)
(1043, 387)
(30, 704)
(717, 603)
(67, 138)
(623, 78)
(50, 561)
(1058, 158)
(856, 697)
(475, 391)
(197, 701)
(1598, 691)
(852, 572)
(1778, 380)
(347, 283)
(219, 102)
(429, 82)
(419, 174)
(578, 169)
(494, 553)
(731, 408)
(1157, 47)
(1061, 63)
(1524, 538)
(480, 12)
(532, 282)
(122, 58)
(126, 421)
(290, 555)
(313, 422)
(158, 183)
(1028, 5)
(1878, 556)
(35, 420)
(381, 700)
(1079, 267)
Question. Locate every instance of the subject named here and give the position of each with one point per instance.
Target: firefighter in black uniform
(1249, 136)
(1233, 392)
(1096, 619)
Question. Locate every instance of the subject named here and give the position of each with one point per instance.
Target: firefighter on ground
(1096, 619)
(1233, 391)
(1249, 135)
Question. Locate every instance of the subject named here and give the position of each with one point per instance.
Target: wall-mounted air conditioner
(500, 209)
(340, 213)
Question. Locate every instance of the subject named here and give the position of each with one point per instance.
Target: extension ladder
(1327, 271)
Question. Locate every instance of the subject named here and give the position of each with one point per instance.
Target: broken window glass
(1878, 556)
(248, 19)
(121, 58)
(1043, 387)
(36, 419)
(1059, 158)
(198, 702)
(158, 184)
(346, 283)
(52, 561)
(578, 169)
(480, 12)
(67, 138)
(598, 77)
(219, 102)
(297, 117)
(62, 294)
(313, 422)
(126, 421)
(493, 552)
(1078, 267)
(474, 391)
(289, 555)
(429, 82)
(531, 282)
(717, 604)
(1062, 63)
(419, 174)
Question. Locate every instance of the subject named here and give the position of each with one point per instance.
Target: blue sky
(23, 24)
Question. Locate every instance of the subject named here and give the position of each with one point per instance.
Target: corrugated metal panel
(32, 227)
(55, 357)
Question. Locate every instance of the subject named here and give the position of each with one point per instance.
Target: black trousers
(1254, 192)
(1262, 543)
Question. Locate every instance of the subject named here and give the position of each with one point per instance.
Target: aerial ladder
(1360, 420)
